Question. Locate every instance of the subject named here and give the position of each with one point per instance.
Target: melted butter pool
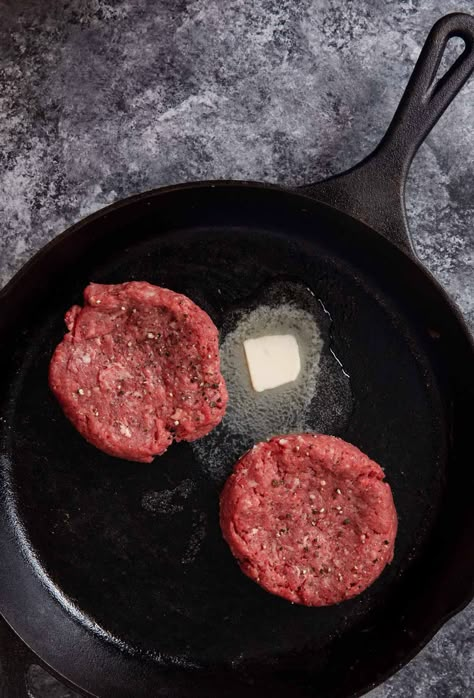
(319, 400)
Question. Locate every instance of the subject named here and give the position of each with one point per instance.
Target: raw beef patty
(309, 518)
(138, 368)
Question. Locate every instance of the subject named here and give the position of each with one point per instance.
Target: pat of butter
(273, 360)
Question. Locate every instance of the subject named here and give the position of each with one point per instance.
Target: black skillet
(125, 599)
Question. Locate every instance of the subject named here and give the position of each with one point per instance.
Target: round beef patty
(309, 518)
(138, 368)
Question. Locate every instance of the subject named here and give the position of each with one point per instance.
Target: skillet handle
(374, 190)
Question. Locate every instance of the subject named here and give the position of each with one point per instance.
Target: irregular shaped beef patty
(309, 518)
(138, 368)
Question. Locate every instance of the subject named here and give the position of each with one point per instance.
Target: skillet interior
(126, 570)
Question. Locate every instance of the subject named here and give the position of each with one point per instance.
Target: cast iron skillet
(127, 598)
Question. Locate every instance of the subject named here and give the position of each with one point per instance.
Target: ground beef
(138, 368)
(309, 518)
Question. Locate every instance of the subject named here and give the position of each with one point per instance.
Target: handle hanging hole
(453, 50)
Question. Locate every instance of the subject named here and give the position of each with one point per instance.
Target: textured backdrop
(99, 100)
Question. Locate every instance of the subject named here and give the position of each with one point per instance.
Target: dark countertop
(100, 100)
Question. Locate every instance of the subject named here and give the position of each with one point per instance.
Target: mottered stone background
(99, 100)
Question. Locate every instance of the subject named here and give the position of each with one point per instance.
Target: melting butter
(272, 360)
